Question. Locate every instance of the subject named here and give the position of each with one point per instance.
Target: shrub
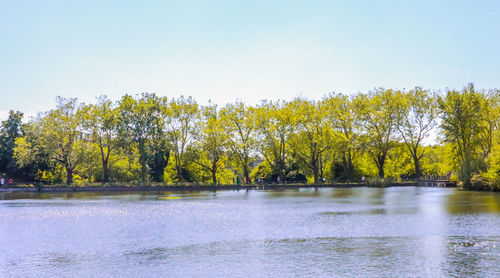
(376, 182)
(479, 182)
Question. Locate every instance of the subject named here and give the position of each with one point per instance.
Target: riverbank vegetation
(149, 138)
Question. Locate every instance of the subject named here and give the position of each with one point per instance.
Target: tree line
(150, 138)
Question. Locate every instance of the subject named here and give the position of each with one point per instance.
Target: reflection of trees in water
(294, 192)
(359, 195)
(375, 196)
(470, 202)
(110, 195)
(370, 196)
(342, 193)
(280, 192)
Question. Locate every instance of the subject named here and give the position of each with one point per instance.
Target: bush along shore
(377, 137)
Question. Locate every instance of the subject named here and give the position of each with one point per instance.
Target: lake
(328, 232)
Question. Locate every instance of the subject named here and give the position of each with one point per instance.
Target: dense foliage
(148, 138)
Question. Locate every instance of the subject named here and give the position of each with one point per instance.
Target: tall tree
(56, 132)
(10, 129)
(491, 118)
(462, 124)
(377, 114)
(181, 127)
(30, 154)
(238, 120)
(273, 128)
(158, 149)
(313, 135)
(212, 142)
(416, 117)
(342, 115)
(140, 120)
(101, 122)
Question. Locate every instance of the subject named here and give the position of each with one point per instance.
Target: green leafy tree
(238, 121)
(399, 163)
(377, 116)
(87, 154)
(313, 135)
(56, 133)
(416, 117)
(462, 123)
(140, 120)
(159, 150)
(10, 130)
(491, 115)
(342, 115)
(273, 128)
(30, 154)
(181, 127)
(211, 142)
(101, 122)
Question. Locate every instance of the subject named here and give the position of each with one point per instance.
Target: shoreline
(118, 188)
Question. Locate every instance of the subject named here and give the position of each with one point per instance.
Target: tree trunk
(418, 169)
(380, 165)
(351, 166)
(69, 175)
(381, 172)
(179, 173)
(315, 169)
(104, 160)
(316, 174)
(214, 177)
(144, 170)
(246, 173)
(281, 170)
(347, 166)
(142, 159)
(105, 170)
(466, 171)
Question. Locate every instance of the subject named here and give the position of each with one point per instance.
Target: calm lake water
(354, 232)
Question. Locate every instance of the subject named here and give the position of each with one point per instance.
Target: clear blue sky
(251, 50)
